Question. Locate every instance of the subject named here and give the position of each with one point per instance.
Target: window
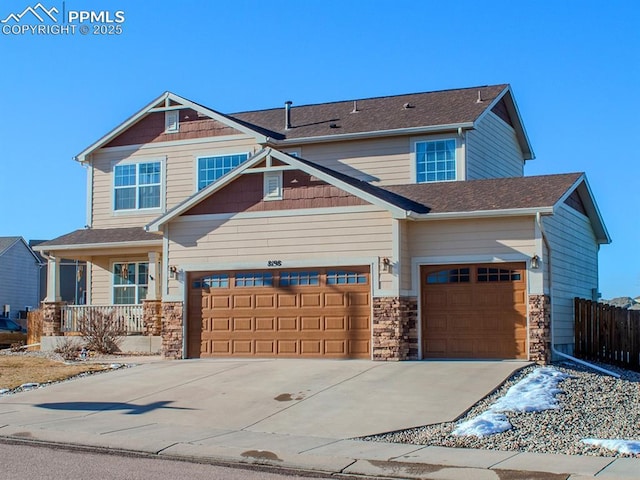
(456, 275)
(254, 279)
(212, 281)
(171, 121)
(498, 275)
(130, 282)
(291, 279)
(273, 186)
(436, 160)
(344, 277)
(137, 186)
(212, 168)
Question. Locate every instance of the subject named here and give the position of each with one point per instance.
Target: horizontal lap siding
(180, 176)
(574, 263)
(338, 235)
(17, 264)
(383, 161)
(493, 150)
(497, 236)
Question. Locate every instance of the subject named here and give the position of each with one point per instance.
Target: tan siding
(574, 263)
(180, 172)
(493, 150)
(492, 236)
(383, 161)
(331, 236)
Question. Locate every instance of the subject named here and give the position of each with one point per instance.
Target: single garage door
(474, 311)
(313, 312)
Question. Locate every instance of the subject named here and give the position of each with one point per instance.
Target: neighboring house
(397, 227)
(19, 273)
(72, 278)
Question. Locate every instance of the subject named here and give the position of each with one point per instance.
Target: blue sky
(573, 66)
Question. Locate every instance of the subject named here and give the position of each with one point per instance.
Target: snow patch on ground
(631, 447)
(534, 393)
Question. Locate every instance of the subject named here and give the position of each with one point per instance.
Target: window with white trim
(171, 121)
(212, 168)
(273, 186)
(436, 160)
(130, 282)
(137, 186)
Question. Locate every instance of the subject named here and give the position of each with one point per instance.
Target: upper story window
(212, 168)
(137, 186)
(436, 160)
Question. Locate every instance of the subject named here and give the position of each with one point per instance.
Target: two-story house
(398, 227)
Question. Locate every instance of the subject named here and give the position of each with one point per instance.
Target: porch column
(53, 280)
(153, 290)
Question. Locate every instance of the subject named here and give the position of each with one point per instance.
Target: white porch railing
(129, 315)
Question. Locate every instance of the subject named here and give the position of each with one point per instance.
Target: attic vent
(171, 121)
(355, 107)
(333, 125)
(407, 105)
(479, 100)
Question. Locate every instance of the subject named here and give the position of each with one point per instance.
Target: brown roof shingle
(444, 107)
(490, 194)
(102, 235)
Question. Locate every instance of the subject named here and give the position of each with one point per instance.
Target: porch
(128, 318)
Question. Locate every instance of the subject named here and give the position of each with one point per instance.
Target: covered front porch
(124, 286)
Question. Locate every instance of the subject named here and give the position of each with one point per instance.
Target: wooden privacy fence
(34, 328)
(607, 334)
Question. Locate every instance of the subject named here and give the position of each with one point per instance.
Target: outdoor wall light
(535, 262)
(386, 265)
(173, 271)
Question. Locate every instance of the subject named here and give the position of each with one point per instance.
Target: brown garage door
(313, 312)
(474, 311)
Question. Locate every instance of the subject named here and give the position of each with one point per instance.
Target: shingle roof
(490, 194)
(102, 235)
(6, 242)
(446, 107)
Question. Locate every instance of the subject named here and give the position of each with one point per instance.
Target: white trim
(374, 133)
(460, 153)
(173, 143)
(279, 213)
(89, 205)
(88, 281)
(163, 185)
(396, 258)
(270, 194)
(165, 263)
(91, 246)
(171, 121)
(507, 212)
(280, 168)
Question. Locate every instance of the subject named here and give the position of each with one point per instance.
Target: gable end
(574, 201)
(500, 109)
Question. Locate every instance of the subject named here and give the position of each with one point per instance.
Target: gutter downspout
(551, 327)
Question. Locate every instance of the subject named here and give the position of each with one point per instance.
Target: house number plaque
(274, 263)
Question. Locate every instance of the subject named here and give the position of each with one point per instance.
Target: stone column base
(152, 316)
(51, 318)
(395, 332)
(172, 320)
(540, 329)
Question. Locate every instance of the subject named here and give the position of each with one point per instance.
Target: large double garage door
(474, 311)
(312, 312)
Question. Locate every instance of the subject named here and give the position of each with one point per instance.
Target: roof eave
(89, 246)
(373, 133)
(506, 212)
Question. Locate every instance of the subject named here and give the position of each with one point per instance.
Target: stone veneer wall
(172, 318)
(540, 329)
(51, 318)
(395, 328)
(152, 317)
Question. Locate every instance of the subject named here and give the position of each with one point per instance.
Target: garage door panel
(250, 314)
(474, 311)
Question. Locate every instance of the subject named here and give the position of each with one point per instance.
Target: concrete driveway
(194, 400)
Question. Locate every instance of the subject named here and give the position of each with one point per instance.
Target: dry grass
(18, 370)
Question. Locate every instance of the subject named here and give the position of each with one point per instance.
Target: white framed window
(273, 185)
(130, 282)
(436, 160)
(211, 168)
(172, 121)
(137, 186)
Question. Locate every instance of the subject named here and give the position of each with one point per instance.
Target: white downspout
(551, 327)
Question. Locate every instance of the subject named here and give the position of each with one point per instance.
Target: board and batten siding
(471, 241)
(179, 180)
(493, 150)
(19, 279)
(574, 265)
(236, 242)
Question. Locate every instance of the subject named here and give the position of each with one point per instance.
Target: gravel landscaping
(591, 405)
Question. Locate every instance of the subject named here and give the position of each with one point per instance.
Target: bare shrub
(68, 347)
(102, 332)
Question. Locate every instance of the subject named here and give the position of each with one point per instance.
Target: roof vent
(479, 100)
(407, 106)
(333, 125)
(287, 114)
(355, 107)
